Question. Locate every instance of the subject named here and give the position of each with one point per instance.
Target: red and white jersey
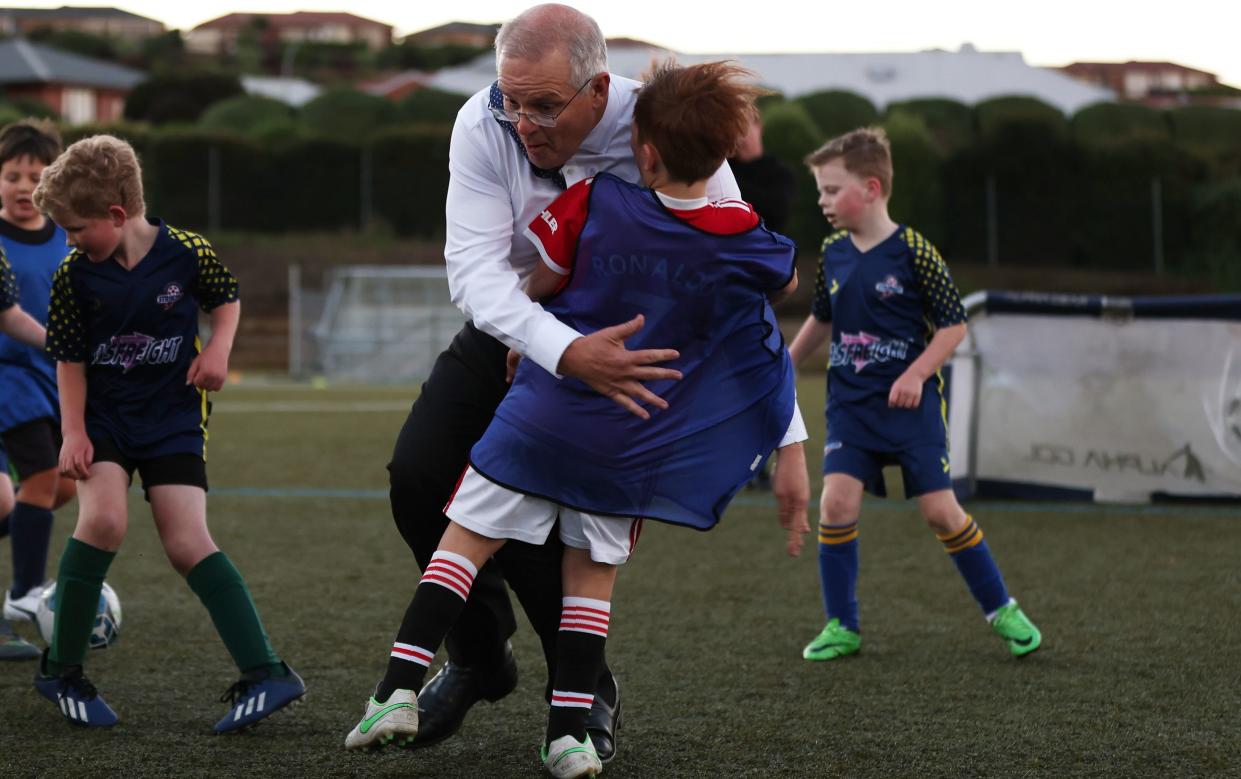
(555, 231)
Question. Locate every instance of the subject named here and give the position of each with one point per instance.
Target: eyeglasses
(542, 120)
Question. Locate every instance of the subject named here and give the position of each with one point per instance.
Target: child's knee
(944, 517)
(184, 557)
(837, 509)
(39, 489)
(102, 529)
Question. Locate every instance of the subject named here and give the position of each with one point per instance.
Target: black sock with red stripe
(437, 602)
(579, 658)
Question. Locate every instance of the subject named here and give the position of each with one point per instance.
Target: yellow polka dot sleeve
(216, 283)
(8, 284)
(66, 335)
(941, 301)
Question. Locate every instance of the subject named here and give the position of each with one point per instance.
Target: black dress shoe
(444, 701)
(603, 722)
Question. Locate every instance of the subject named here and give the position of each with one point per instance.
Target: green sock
(219, 586)
(78, 582)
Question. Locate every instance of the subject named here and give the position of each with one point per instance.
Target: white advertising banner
(1118, 408)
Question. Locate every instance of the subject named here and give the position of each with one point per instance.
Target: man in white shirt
(554, 117)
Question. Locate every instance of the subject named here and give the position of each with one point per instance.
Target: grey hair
(545, 28)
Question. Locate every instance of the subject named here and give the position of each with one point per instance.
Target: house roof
(23, 62)
(74, 12)
(968, 75)
(1133, 66)
(471, 27)
(296, 19)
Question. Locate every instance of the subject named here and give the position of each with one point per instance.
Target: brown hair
(695, 116)
(92, 175)
(37, 138)
(865, 153)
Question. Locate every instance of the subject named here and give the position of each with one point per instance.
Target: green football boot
(1012, 625)
(832, 642)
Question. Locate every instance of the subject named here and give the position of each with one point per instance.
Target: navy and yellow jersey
(137, 332)
(884, 305)
(8, 284)
(27, 374)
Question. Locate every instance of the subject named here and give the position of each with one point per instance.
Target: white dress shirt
(493, 194)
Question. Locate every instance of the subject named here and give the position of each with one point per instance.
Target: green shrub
(949, 123)
(789, 134)
(1107, 123)
(916, 197)
(991, 115)
(347, 115)
(247, 115)
(1206, 127)
(836, 112)
(430, 106)
(179, 98)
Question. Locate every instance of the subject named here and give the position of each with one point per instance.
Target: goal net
(1096, 398)
(384, 323)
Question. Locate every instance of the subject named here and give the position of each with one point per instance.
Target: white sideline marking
(309, 406)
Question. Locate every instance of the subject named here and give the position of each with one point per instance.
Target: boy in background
(887, 302)
(17, 324)
(29, 415)
(702, 273)
(133, 380)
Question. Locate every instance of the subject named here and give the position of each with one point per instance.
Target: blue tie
(496, 100)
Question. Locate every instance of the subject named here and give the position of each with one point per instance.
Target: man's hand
(208, 370)
(791, 486)
(906, 391)
(76, 455)
(510, 365)
(603, 363)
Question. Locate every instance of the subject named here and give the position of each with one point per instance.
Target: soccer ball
(107, 619)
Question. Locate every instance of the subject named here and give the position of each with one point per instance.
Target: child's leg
(31, 529)
(838, 547)
(103, 517)
(439, 598)
(7, 499)
(963, 541)
(180, 512)
(585, 616)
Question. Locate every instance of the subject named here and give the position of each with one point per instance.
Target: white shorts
(490, 510)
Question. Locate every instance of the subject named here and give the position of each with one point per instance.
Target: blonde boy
(886, 301)
(123, 327)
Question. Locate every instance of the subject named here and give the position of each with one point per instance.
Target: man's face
(18, 179)
(97, 238)
(544, 87)
(843, 196)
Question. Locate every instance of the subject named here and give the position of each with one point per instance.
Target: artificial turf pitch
(1139, 675)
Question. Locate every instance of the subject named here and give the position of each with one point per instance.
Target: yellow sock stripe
(970, 536)
(837, 534)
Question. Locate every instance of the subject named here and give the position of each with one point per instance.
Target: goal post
(1097, 398)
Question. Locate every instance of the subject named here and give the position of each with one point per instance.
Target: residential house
(1157, 84)
(79, 88)
(477, 36)
(105, 22)
(220, 35)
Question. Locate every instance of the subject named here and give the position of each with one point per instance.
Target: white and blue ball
(107, 619)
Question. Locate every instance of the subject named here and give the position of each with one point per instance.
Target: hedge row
(1076, 192)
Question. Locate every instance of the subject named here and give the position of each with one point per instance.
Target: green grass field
(1140, 674)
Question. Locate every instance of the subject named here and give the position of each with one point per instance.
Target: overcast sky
(1204, 34)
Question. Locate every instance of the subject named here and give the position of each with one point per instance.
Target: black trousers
(457, 403)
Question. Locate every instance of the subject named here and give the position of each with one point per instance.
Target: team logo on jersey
(889, 287)
(170, 295)
(861, 349)
(135, 349)
(546, 216)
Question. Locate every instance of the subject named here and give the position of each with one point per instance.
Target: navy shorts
(33, 446)
(924, 469)
(188, 469)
